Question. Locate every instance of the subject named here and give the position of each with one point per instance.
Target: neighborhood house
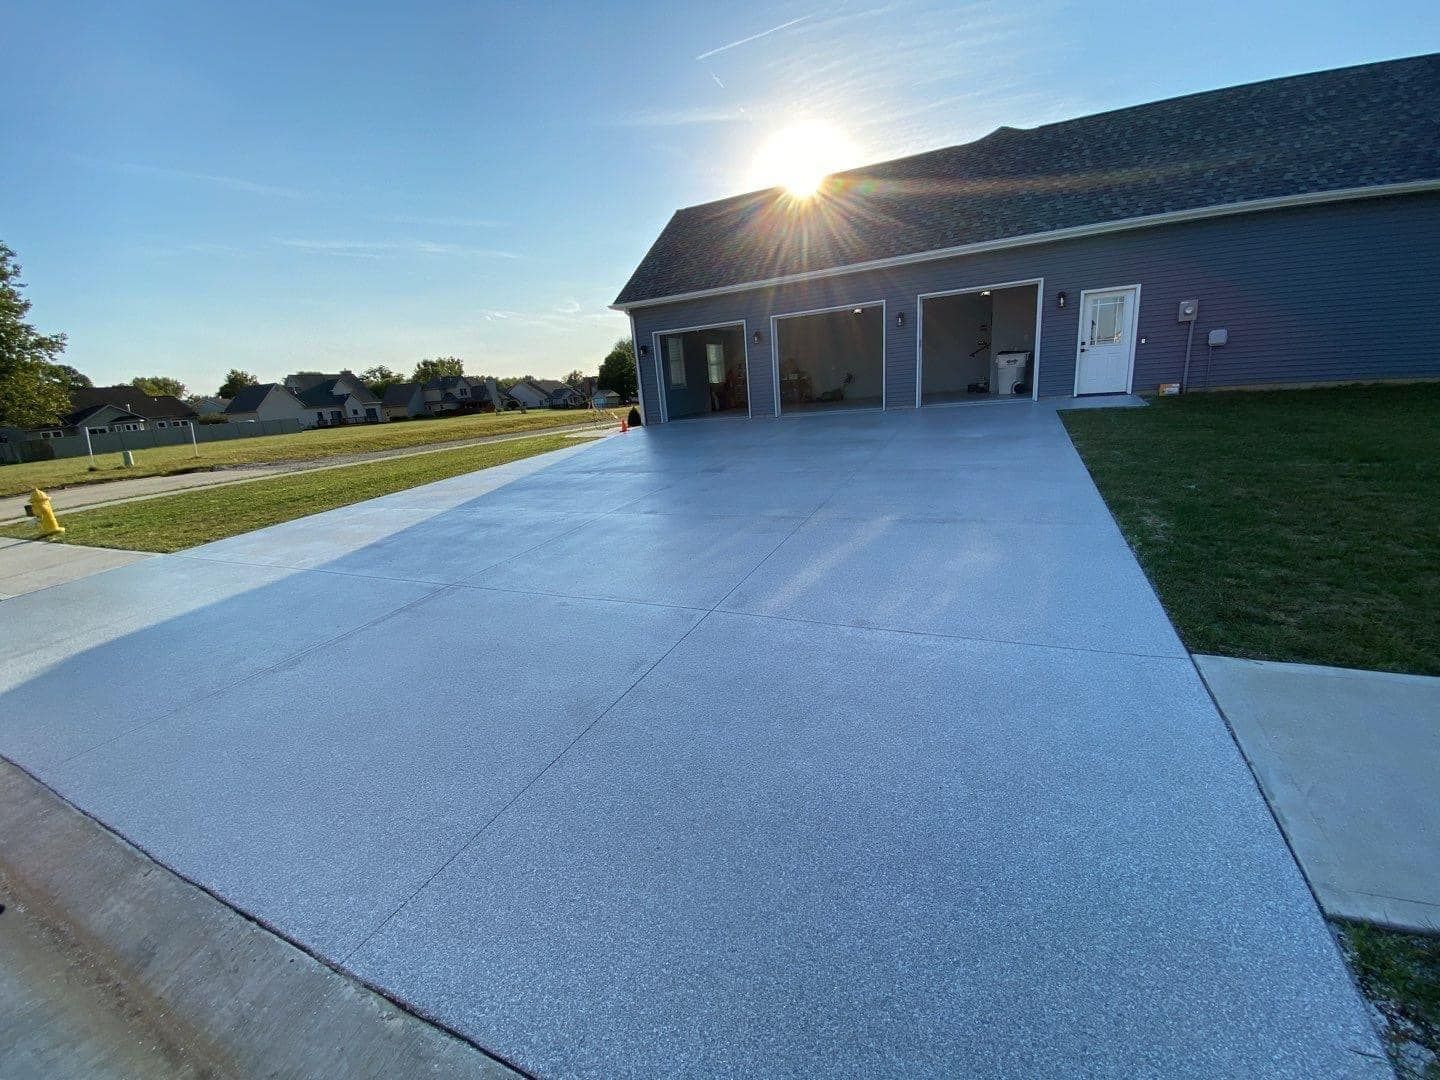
(1250, 236)
(103, 410)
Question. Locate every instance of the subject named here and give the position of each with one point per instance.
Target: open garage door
(978, 345)
(702, 371)
(832, 359)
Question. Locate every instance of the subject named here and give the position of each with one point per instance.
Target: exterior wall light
(899, 318)
(644, 350)
(1060, 299)
(857, 311)
(755, 337)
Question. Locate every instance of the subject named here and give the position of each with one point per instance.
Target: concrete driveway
(848, 745)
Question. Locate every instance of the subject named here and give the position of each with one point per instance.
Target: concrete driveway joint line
(852, 744)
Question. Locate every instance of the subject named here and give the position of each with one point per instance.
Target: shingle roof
(1353, 127)
(86, 399)
(400, 393)
(248, 398)
(329, 394)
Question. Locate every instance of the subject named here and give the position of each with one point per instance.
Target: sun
(799, 157)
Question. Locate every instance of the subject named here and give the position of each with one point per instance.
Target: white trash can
(1007, 369)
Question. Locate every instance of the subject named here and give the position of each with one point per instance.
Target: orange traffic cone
(624, 427)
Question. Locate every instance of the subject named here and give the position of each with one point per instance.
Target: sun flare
(799, 157)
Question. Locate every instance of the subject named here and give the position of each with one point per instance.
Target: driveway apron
(854, 744)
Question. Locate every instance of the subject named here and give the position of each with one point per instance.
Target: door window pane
(1107, 320)
(675, 352)
(715, 361)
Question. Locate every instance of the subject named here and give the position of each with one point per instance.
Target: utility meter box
(1188, 310)
(1219, 337)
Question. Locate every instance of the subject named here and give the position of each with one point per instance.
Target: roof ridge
(862, 170)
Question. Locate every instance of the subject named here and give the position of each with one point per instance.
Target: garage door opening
(831, 359)
(978, 345)
(703, 372)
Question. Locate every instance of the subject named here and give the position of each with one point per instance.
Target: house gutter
(1149, 221)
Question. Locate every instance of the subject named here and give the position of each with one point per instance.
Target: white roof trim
(1251, 206)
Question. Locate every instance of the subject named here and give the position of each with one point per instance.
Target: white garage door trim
(655, 337)
(884, 344)
(920, 299)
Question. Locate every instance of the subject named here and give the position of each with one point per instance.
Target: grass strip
(1400, 974)
(313, 445)
(175, 522)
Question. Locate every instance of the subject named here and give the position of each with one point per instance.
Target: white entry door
(1107, 341)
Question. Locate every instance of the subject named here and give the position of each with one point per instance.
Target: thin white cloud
(374, 249)
(752, 37)
(233, 183)
(569, 307)
(661, 118)
(438, 222)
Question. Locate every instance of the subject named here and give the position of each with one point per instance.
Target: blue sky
(198, 186)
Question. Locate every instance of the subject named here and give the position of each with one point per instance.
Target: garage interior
(978, 346)
(704, 372)
(832, 359)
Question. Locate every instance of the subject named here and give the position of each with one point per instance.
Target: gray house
(1284, 232)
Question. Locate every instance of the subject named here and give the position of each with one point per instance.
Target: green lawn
(303, 446)
(1400, 973)
(180, 521)
(1299, 525)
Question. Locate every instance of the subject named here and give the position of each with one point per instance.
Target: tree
(235, 381)
(34, 391)
(380, 378)
(72, 378)
(439, 367)
(158, 385)
(575, 380)
(617, 371)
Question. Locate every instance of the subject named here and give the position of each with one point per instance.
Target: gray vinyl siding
(1344, 291)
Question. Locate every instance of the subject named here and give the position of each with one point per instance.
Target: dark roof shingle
(1354, 127)
(84, 400)
(248, 398)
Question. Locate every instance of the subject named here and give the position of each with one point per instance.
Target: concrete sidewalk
(28, 565)
(1350, 761)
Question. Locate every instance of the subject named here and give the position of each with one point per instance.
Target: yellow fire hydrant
(44, 514)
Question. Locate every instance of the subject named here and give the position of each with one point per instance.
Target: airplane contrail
(752, 37)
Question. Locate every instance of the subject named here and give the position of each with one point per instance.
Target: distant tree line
(35, 387)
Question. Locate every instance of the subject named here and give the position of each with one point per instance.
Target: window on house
(462, 392)
(675, 352)
(1107, 321)
(715, 361)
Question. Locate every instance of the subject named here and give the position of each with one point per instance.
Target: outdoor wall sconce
(1060, 299)
(755, 337)
(644, 350)
(899, 318)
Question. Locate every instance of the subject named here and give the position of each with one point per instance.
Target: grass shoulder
(1400, 975)
(314, 445)
(175, 522)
